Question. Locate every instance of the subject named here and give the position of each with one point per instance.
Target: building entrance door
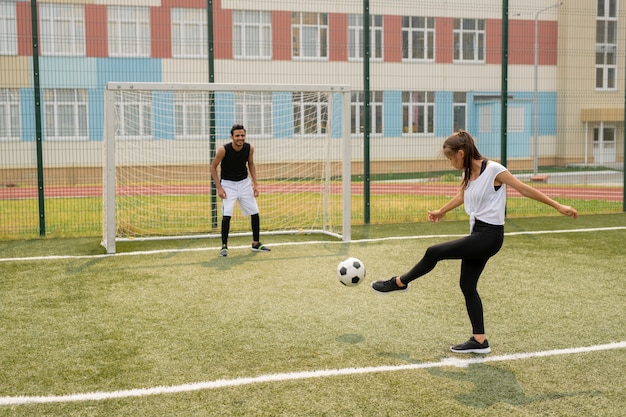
(603, 144)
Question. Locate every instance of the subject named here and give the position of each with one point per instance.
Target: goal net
(160, 139)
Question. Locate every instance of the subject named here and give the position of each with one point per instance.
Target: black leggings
(255, 224)
(474, 251)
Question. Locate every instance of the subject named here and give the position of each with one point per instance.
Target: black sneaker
(472, 346)
(384, 287)
(224, 251)
(259, 247)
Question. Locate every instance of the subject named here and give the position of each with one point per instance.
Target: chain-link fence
(539, 85)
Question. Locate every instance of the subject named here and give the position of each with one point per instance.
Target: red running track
(580, 193)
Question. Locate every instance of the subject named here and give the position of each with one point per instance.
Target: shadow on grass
(235, 259)
(494, 385)
(350, 338)
(491, 385)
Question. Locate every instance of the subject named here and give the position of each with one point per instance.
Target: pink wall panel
(198, 4)
(547, 42)
(392, 27)
(96, 30)
(24, 32)
(160, 32)
(493, 32)
(521, 42)
(338, 37)
(222, 31)
(444, 40)
(281, 36)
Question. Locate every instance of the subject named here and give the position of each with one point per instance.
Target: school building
(434, 67)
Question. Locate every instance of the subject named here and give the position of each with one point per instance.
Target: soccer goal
(160, 139)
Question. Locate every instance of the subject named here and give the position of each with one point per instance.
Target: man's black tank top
(235, 164)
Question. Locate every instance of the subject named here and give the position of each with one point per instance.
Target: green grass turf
(184, 215)
(99, 324)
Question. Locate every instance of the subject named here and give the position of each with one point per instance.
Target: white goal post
(160, 138)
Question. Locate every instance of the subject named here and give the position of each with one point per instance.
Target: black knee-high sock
(255, 222)
(225, 229)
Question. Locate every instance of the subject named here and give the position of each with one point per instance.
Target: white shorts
(239, 191)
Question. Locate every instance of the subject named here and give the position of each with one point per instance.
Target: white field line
(291, 376)
(324, 242)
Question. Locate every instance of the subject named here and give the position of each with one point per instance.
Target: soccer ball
(351, 272)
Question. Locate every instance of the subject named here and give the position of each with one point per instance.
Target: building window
(606, 45)
(254, 111)
(469, 40)
(134, 116)
(309, 33)
(189, 33)
(358, 112)
(310, 113)
(355, 37)
(418, 38)
(191, 115)
(8, 31)
(252, 34)
(65, 114)
(62, 29)
(129, 31)
(9, 114)
(460, 111)
(418, 112)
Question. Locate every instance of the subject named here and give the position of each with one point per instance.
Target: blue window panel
(547, 113)
(444, 113)
(163, 115)
(128, 70)
(224, 113)
(392, 113)
(68, 72)
(471, 114)
(336, 116)
(519, 143)
(282, 113)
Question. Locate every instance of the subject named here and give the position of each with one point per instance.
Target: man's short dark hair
(237, 126)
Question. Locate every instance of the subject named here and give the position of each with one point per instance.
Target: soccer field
(170, 328)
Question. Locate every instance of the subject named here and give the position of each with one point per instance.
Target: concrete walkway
(609, 178)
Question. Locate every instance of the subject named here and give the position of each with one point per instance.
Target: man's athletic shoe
(224, 251)
(384, 287)
(259, 247)
(472, 346)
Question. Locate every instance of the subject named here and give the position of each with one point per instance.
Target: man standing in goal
(235, 160)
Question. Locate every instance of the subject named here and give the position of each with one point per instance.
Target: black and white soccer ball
(351, 272)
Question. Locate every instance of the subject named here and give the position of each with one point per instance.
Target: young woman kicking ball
(483, 194)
